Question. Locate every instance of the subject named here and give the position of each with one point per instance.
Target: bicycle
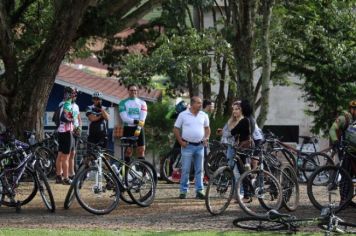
(98, 184)
(303, 163)
(324, 184)
(22, 177)
(170, 165)
(275, 221)
(257, 183)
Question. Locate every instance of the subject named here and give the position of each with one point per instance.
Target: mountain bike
(98, 185)
(258, 184)
(22, 177)
(304, 163)
(275, 221)
(324, 185)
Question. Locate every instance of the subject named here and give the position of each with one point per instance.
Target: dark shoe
(71, 177)
(59, 179)
(246, 199)
(66, 182)
(200, 195)
(183, 195)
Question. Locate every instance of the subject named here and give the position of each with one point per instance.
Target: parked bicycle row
(100, 180)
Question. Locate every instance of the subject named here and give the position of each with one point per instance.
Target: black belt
(194, 144)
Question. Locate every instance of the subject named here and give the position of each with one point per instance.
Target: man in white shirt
(192, 131)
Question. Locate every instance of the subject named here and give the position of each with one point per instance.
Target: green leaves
(319, 44)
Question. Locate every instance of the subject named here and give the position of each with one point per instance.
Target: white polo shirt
(192, 126)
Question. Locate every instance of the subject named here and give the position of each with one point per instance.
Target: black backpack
(57, 115)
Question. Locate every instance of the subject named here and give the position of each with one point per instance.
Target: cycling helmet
(352, 104)
(181, 106)
(97, 95)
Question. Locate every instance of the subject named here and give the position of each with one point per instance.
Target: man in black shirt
(98, 117)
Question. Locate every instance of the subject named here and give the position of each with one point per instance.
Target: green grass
(67, 232)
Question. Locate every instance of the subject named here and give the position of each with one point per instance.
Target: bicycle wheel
(98, 194)
(214, 160)
(68, 201)
(262, 192)
(323, 187)
(290, 187)
(170, 167)
(220, 190)
(24, 191)
(259, 224)
(47, 159)
(152, 169)
(313, 161)
(140, 183)
(45, 190)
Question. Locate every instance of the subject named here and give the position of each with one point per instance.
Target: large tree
(36, 35)
(321, 52)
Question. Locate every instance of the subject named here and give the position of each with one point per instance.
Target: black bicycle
(22, 177)
(324, 185)
(99, 183)
(275, 221)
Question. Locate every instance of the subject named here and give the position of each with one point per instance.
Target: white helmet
(97, 95)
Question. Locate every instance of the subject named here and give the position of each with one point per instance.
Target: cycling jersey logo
(134, 111)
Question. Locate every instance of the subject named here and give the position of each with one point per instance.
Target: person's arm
(104, 114)
(143, 112)
(176, 132)
(335, 129)
(206, 135)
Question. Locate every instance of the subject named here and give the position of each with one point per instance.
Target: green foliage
(158, 128)
(174, 57)
(317, 42)
(215, 123)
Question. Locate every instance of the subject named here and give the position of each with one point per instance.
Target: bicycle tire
(319, 193)
(222, 182)
(268, 200)
(170, 162)
(25, 191)
(152, 168)
(313, 161)
(214, 160)
(290, 187)
(259, 224)
(140, 183)
(45, 190)
(69, 199)
(86, 184)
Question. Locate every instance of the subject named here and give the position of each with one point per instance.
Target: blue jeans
(196, 154)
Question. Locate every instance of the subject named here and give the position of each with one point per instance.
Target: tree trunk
(267, 6)
(244, 23)
(221, 95)
(27, 102)
(205, 71)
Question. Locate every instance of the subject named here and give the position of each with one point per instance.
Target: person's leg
(141, 145)
(186, 160)
(68, 144)
(198, 159)
(71, 162)
(59, 168)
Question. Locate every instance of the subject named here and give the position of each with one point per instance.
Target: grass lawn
(67, 232)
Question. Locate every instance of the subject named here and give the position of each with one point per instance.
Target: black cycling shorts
(130, 131)
(66, 142)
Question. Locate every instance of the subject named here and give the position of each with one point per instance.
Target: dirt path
(166, 213)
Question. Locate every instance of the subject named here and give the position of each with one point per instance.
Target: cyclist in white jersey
(133, 112)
